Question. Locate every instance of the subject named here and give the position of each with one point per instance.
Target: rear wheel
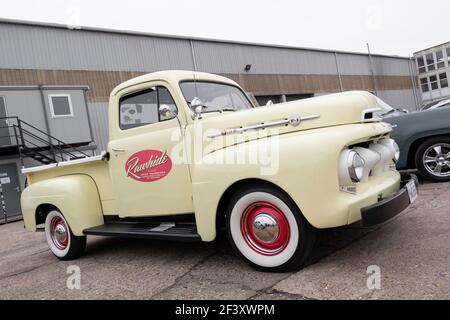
(62, 242)
(433, 158)
(268, 230)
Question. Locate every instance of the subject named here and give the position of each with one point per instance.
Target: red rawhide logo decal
(148, 165)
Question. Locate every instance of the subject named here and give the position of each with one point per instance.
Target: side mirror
(197, 105)
(269, 103)
(165, 111)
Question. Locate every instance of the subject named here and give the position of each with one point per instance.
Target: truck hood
(325, 111)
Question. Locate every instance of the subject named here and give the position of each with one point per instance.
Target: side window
(166, 102)
(143, 108)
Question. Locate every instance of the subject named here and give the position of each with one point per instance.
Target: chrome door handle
(118, 150)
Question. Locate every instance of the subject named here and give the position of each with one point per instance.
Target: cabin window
(440, 59)
(424, 84)
(143, 108)
(430, 62)
(60, 105)
(443, 80)
(434, 83)
(421, 64)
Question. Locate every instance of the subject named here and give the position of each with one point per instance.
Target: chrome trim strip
(100, 157)
(292, 120)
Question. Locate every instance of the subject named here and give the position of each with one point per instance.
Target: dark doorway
(9, 192)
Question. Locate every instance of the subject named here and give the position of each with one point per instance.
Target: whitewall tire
(268, 230)
(61, 241)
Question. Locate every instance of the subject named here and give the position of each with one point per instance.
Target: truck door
(146, 179)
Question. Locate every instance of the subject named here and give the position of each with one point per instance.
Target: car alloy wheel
(436, 160)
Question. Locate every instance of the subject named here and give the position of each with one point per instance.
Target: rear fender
(76, 196)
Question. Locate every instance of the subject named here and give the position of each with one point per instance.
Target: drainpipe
(194, 61)
(337, 70)
(413, 82)
(371, 70)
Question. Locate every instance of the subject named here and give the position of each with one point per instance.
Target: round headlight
(397, 151)
(355, 166)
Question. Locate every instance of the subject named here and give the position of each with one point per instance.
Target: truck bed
(96, 167)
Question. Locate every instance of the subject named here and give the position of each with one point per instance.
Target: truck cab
(189, 153)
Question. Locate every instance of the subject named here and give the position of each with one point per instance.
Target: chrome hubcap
(59, 234)
(436, 160)
(265, 227)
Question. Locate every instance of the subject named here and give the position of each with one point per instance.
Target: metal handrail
(56, 147)
(20, 122)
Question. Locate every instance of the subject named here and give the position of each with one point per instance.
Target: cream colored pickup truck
(189, 153)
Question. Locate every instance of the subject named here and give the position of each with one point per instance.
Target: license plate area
(412, 191)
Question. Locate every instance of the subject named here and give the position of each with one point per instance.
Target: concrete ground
(411, 251)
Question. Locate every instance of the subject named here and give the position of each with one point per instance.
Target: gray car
(424, 140)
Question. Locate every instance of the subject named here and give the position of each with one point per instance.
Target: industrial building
(433, 68)
(58, 79)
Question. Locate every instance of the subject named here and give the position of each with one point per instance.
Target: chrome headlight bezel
(355, 165)
(397, 151)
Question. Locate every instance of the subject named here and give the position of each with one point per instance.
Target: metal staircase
(29, 141)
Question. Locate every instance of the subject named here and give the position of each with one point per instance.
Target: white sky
(398, 27)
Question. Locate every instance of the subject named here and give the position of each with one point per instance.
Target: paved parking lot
(412, 252)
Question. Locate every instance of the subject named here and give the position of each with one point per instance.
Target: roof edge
(160, 35)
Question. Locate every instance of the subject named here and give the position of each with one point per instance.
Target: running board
(179, 231)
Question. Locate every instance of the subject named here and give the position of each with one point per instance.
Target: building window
(448, 56)
(443, 80)
(424, 84)
(142, 108)
(60, 105)
(420, 65)
(434, 83)
(440, 59)
(430, 62)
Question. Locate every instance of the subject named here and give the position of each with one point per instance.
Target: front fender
(76, 196)
(303, 164)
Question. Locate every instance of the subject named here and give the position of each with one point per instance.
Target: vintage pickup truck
(189, 153)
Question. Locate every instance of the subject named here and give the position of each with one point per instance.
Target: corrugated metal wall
(64, 49)
(39, 47)
(98, 112)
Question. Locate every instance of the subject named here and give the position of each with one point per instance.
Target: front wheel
(268, 230)
(62, 242)
(433, 158)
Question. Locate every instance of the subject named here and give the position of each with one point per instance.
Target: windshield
(215, 96)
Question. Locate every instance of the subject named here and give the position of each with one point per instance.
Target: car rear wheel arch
(42, 211)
